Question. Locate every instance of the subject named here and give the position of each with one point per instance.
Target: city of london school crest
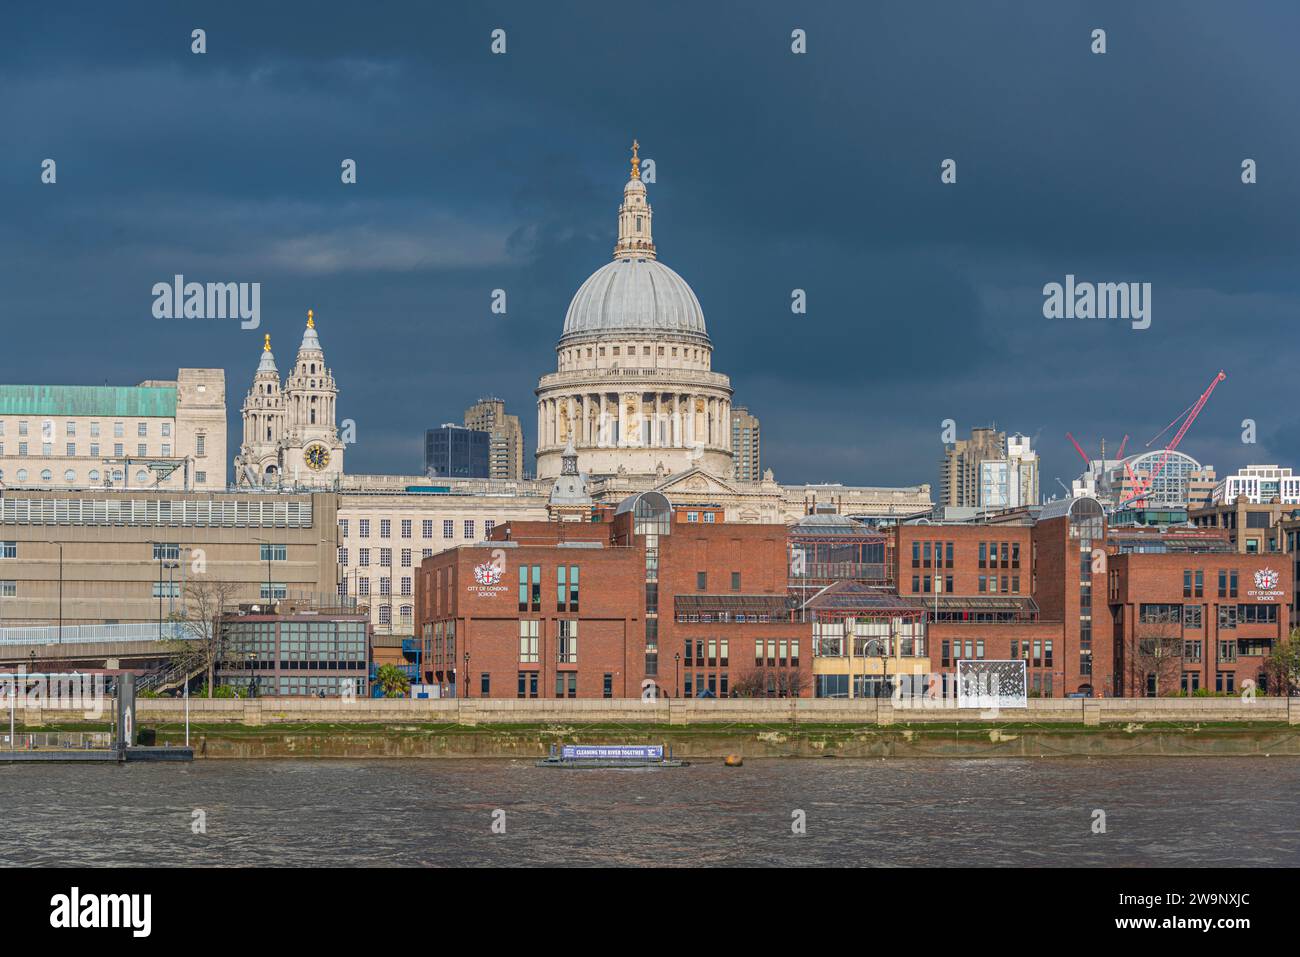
(489, 574)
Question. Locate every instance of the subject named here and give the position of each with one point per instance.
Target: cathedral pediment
(695, 482)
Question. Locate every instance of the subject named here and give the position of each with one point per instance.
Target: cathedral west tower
(290, 434)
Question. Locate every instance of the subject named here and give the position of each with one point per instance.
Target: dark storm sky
(774, 171)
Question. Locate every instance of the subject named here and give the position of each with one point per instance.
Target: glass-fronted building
(303, 653)
(455, 452)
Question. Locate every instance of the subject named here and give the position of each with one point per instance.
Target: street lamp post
(60, 590)
(161, 550)
(677, 668)
(466, 678)
(171, 588)
(269, 548)
(59, 546)
(881, 646)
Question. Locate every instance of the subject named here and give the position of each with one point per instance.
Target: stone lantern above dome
(634, 387)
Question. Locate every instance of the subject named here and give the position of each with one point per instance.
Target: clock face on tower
(317, 457)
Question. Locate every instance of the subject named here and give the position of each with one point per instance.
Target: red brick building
(1079, 601)
(646, 598)
(1196, 620)
(644, 601)
(978, 585)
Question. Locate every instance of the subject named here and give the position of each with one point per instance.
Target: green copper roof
(88, 400)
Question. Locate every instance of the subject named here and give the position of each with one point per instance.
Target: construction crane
(1078, 448)
(1187, 416)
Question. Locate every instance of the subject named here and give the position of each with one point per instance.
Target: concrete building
(1253, 527)
(746, 445)
(452, 451)
(157, 435)
(1257, 484)
(110, 557)
(306, 648)
(960, 472)
(506, 449)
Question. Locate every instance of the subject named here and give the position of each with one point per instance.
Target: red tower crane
(1078, 448)
(1191, 412)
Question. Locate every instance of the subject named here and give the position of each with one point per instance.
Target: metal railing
(85, 634)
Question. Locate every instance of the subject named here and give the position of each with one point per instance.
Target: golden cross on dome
(636, 160)
(311, 323)
(266, 347)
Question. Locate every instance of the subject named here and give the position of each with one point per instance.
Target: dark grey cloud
(774, 172)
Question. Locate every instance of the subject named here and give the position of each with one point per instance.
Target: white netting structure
(992, 683)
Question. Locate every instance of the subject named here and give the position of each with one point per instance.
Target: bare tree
(769, 683)
(203, 644)
(1156, 647)
(751, 684)
(1282, 667)
(791, 682)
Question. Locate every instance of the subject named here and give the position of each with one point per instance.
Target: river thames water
(1172, 812)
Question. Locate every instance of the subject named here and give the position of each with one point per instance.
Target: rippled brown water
(1173, 812)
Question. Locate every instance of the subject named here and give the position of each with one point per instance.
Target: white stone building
(161, 434)
(634, 383)
(290, 435)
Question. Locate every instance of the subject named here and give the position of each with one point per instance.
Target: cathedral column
(622, 419)
(656, 438)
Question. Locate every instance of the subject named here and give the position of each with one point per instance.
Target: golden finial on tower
(266, 347)
(636, 160)
(311, 323)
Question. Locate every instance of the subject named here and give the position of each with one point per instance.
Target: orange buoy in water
(733, 760)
